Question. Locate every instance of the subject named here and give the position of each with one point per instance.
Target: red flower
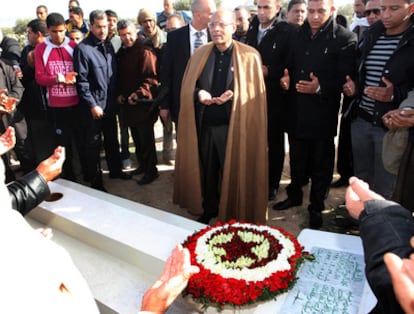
(213, 289)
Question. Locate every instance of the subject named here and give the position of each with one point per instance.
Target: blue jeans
(367, 151)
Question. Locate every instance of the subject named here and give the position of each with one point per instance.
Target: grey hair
(96, 15)
(122, 24)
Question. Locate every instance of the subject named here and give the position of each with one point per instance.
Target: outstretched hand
(402, 276)
(52, 167)
(380, 93)
(173, 280)
(399, 118)
(7, 140)
(285, 80)
(357, 193)
(349, 87)
(308, 87)
(7, 104)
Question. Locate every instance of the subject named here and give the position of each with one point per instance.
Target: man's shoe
(126, 164)
(205, 219)
(287, 203)
(147, 179)
(121, 175)
(98, 185)
(345, 222)
(138, 171)
(315, 220)
(341, 182)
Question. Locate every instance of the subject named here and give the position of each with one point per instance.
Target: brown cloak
(244, 187)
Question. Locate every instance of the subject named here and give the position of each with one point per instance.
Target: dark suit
(174, 61)
(274, 50)
(175, 58)
(330, 56)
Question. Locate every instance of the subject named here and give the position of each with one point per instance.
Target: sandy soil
(159, 194)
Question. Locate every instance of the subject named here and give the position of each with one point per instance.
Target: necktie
(198, 42)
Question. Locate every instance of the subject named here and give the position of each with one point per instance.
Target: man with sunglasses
(372, 11)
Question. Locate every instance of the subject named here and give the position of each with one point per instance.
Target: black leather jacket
(384, 227)
(27, 192)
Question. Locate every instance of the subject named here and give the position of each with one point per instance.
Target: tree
(21, 26)
(185, 5)
(347, 11)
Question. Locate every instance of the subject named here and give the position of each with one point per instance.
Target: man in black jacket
(95, 63)
(385, 75)
(323, 54)
(34, 105)
(397, 228)
(271, 37)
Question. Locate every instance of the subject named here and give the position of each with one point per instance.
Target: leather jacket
(28, 191)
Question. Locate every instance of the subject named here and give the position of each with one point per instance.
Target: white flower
(209, 255)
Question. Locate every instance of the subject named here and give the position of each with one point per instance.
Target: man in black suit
(270, 35)
(323, 54)
(181, 44)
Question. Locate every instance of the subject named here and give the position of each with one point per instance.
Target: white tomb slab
(120, 246)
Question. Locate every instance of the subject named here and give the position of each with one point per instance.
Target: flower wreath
(242, 263)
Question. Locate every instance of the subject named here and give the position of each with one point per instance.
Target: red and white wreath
(242, 263)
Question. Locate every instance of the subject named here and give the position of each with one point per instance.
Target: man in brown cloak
(223, 100)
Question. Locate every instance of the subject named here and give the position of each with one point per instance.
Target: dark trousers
(344, 163)
(405, 180)
(145, 151)
(276, 144)
(65, 122)
(212, 148)
(89, 152)
(40, 137)
(313, 158)
(22, 149)
(124, 132)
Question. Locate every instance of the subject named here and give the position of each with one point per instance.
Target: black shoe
(315, 220)
(272, 194)
(120, 175)
(98, 185)
(345, 222)
(138, 171)
(287, 203)
(339, 183)
(147, 179)
(205, 218)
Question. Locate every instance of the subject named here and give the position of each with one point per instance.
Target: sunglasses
(375, 11)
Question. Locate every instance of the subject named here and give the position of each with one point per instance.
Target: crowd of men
(88, 80)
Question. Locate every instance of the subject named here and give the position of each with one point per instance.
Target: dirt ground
(159, 195)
